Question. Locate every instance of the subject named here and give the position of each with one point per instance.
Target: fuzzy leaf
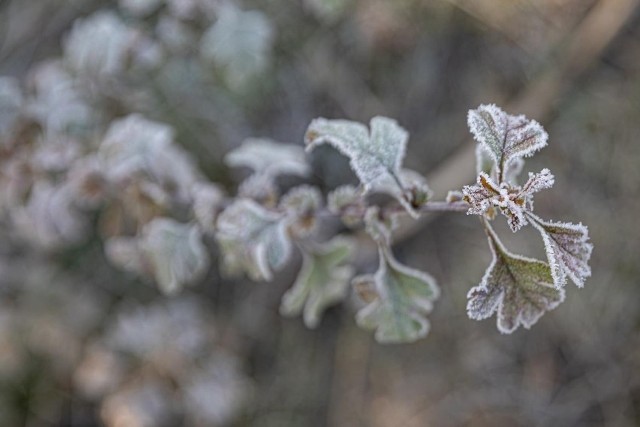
(252, 239)
(270, 158)
(399, 298)
(520, 289)
(174, 252)
(322, 281)
(375, 156)
(348, 202)
(505, 137)
(301, 204)
(568, 250)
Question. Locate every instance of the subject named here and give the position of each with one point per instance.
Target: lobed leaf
(568, 250)
(505, 137)
(398, 300)
(375, 156)
(322, 281)
(519, 289)
(252, 239)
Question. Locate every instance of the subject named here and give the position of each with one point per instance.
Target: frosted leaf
(412, 195)
(512, 201)
(505, 137)
(57, 104)
(208, 200)
(375, 156)
(454, 196)
(253, 239)
(50, 218)
(300, 205)
(322, 281)
(270, 158)
(87, 182)
(99, 44)
(261, 188)
(568, 250)
(348, 202)
(175, 253)
(140, 8)
(240, 43)
(519, 289)
(163, 335)
(135, 145)
(399, 300)
(11, 102)
(216, 394)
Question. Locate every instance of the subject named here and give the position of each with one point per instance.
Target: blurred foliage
(82, 344)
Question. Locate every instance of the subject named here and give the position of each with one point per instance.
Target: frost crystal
(398, 297)
(512, 201)
(505, 137)
(253, 239)
(520, 289)
(568, 250)
(322, 281)
(375, 156)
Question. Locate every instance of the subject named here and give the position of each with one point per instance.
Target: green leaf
(375, 156)
(252, 239)
(322, 281)
(568, 250)
(505, 137)
(399, 298)
(519, 289)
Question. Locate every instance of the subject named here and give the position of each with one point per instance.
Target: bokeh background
(83, 344)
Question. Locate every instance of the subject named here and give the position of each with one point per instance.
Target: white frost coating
(504, 136)
(239, 42)
(253, 239)
(322, 281)
(512, 201)
(518, 288)
(207, 203)
(269, 158)
(568, 250)
(402, 297)
(300, 205)
(174, 252)
(375, 156)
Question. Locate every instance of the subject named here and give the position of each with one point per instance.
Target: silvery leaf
(270, 158)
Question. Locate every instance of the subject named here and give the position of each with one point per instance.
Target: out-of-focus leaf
(270, 158)
(505, 137)
(348, 202)
(240, 43)
(568, 250)
(519, 289)
(301, 204)
(376, 156)
(399, 298)
(322, 281)
(252, 239)
(207, 204)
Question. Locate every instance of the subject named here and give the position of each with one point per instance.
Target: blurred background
(84, 344)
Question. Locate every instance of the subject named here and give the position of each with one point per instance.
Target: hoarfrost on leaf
(322, 281)
(208, 200)
(512, 201)
(348, 202)
(505, 137)
(568, 250)
(175, 253)
(519, 289)
(240, 42)
(270, 158)
(253, 239)
(398, 297)
(375, 156)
